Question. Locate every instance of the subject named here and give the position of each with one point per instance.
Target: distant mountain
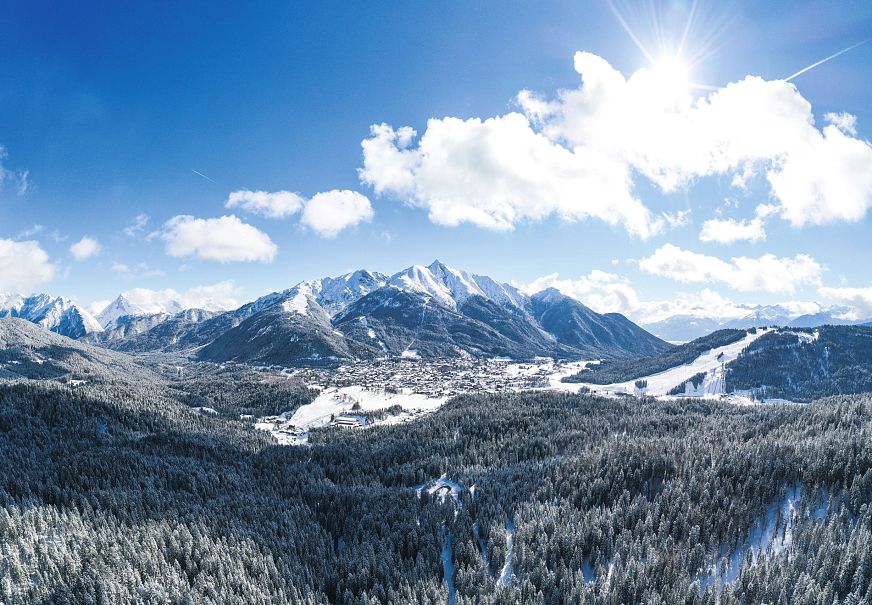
(432, 311)
(158, 332)
(124, 307)
(582, 329)
(294, 330)
(29, 351)
(397, 321)
(56, 314)
(684, 328)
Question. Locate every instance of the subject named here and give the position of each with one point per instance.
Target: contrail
(204, 176)
(833, 56)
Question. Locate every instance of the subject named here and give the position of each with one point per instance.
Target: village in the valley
(391, 391)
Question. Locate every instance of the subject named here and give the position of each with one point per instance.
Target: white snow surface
(52, 313)
(451, 287)
(298, 300)
(711, 363)
(333, 402)
(335, 294)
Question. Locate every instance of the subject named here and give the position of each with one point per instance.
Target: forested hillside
(803, 364)
(121, 493)
(608, 372)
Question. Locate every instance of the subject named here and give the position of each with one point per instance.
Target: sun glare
(671, 77)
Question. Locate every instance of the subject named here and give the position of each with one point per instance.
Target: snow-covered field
(710, 363)
(332, 402)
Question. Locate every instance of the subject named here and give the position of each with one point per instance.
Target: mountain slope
(577, 326)
(804, 364)
(293, 330)
(403, 322)
(57, 314)
(431, 311)
(610, 373)
(29, 351)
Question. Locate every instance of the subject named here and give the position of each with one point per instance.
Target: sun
(670, 77)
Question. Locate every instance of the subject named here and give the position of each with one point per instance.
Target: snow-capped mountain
(124, 307)
(452, 287)
(335, 293)
(58, 314)
(684, 328)
(429, 311)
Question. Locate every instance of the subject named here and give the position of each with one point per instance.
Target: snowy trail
(482, 546)
(772, 533)
(448, 566)
(505, 578)
(710, 363)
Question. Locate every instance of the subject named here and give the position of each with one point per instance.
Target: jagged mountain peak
(55, 313)
(452, 287)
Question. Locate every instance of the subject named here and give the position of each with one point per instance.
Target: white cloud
(498, 172)
(730, 231)
(138, 270)
(276, 204)
(844, 121)
(137, 226)
(85, 248)
(330, 212)
(767, 273)
(97, 306)
(607, 292)
(576, 156)
(225, 239)
(23, 266)
(859, 299)
(16, 178)
(31, 231)
(221, 296)
(601, 291)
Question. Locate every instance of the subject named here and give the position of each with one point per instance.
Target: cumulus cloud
(495, 173)
(767, 273)
(275, 204)
(85, 248)
(326, 213)
(96, 307)
(601, 291)
(576, 156)
(730, 231)
(23, 266)
(221, 296)
(859, 299)
(607, 293)
(225, 239)
(330, 212)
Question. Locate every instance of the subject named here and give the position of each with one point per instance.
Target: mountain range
(684, 328)
(56, 314)
(422, 311)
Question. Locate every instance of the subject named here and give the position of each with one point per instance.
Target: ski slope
(711, 363)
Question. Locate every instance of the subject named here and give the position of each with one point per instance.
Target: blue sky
(106, 111)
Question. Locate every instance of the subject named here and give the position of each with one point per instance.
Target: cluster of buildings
(434, 378)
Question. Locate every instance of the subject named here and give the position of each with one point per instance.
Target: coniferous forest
(118, 492)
